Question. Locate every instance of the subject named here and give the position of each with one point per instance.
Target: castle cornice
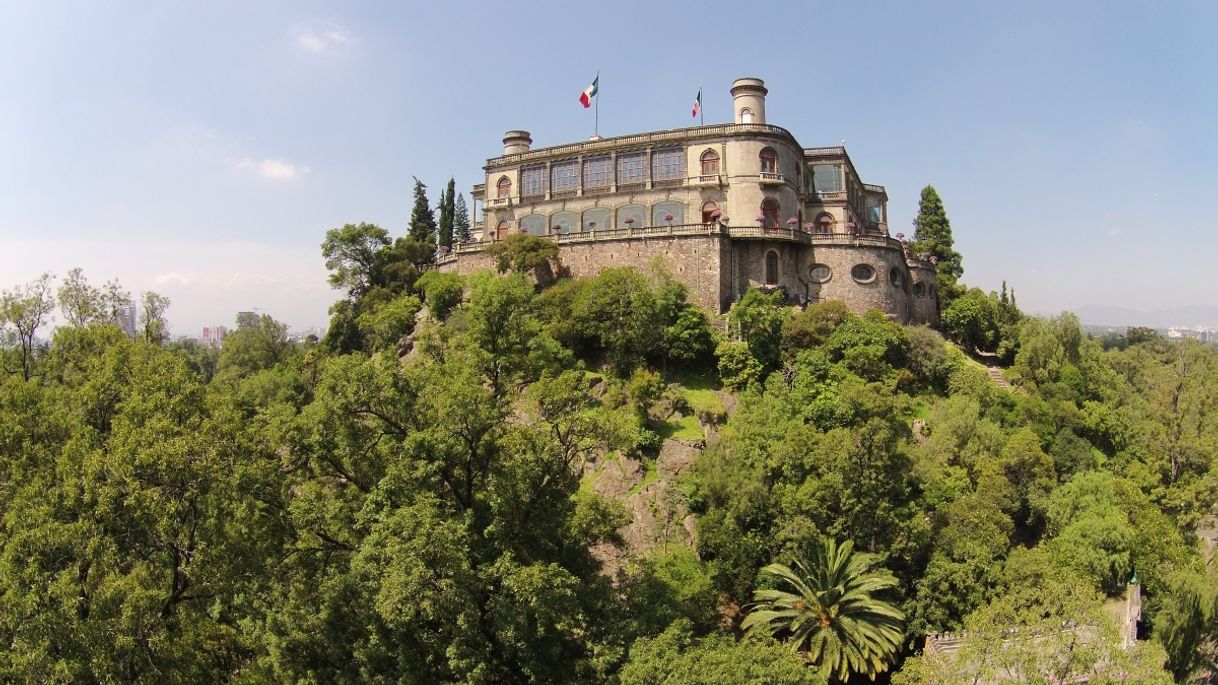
(677, 135)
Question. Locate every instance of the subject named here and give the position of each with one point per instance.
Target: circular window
(820, 273)
(920, 289)
(896, 278)
(863, 273)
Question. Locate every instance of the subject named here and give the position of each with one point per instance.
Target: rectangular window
(873, 209)
(630, 168)
(533, 181)
(564, 176)
(596, 172)
(668, 164)
(826, 178)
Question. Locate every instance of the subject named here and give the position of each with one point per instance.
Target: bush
(441, 291)
(738, 368)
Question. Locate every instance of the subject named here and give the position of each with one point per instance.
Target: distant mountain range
(1106, 315)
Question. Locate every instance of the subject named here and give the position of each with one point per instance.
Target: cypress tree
(460, 219)
(422, 220)
(446, 214)
(933, 234)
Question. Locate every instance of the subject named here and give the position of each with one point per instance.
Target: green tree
(80, 303)
(447, 211)
(758, 318)
(524, 253)
(442, 291)
(933, 234)
(251, 349)
(677, 657)
(834, 611)
(351, 254)
(23, 311)
(422, 219)
(152, 317)
(461, 219)
(972, 319)
(618, 310)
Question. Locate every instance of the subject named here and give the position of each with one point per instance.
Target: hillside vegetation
(481, 480)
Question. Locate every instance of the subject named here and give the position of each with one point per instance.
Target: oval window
(820, 273)
(920, 289)
(896, 278)
(863, 273)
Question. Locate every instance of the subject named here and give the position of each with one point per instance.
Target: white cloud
(274, 169)
(322, 36)
(173, 278)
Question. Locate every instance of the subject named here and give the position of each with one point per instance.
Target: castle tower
(748, 94)
(516, 142)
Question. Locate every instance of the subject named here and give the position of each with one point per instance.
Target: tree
(972, 319)
(351, 254)
(836, 615)
(524, 253)
(250, 349)
(933, 234)
(447, 207)
(759, 318)
(677, 657)
(442, 292)
(25, 309)
(152, 317)
(422, 220)
(618, 310)
(80, 303)
(461, 219)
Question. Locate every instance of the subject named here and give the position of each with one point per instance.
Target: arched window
(504, 187)
(769, 213)
(710, 163)
(597, 220)
(769, 161)
(631, 216)
(825, 223)
(563, 223)
(771, 268)
(746, 116)
(708, 212)
(501, 231)
(533, 224)
(661, 213)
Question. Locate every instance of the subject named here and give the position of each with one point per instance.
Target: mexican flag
(585, 98)
(697, 105)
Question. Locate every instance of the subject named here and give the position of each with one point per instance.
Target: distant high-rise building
(127, 319)
(213, 336)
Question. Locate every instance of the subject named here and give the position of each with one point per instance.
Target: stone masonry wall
(880, 293)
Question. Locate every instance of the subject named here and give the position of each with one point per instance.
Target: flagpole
(596, 126)
(701, 109)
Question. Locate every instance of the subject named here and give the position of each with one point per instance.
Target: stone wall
(878, 293)
(924, 305)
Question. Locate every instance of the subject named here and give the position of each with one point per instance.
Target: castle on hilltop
(724, 207)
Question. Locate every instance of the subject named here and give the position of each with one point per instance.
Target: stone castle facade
(724, 207)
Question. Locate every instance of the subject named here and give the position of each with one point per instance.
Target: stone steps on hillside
(996, 375)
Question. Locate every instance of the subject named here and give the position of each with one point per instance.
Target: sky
(203, 149)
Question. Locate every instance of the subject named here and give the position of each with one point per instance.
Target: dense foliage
(411, 499)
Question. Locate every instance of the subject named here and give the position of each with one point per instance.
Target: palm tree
(833, 614)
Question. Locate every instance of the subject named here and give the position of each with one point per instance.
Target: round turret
(749, 96)
(516, 142)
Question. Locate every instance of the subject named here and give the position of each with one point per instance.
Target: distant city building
(213, 337)
(127, 319)
(1199, 333)
(802, 221)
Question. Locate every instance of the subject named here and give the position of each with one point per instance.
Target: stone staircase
(996, 375)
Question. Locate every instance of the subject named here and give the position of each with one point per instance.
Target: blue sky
(203, 149)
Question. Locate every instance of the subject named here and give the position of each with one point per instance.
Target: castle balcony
(771, 179)
(479, 191)
(499, 202)
(765, 233)
(706, 181)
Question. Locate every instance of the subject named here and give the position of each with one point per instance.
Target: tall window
(631, 216)
(746, 116)
(533, 181)
(825, 223)
(769, 213)
(771, 268)
(596, 172)
(710, 163)
(533, 224)
(826, 178)
(661, 213)
(708, 212)
(504, 187)
(631, 168)
(501, 230)
(563, 223)
(597, 219)
(564, 176)
(769, 161)
(668, 164)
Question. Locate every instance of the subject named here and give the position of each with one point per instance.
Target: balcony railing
(771, 178)
(499, 202)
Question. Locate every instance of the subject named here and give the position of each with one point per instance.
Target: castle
(725, 207)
